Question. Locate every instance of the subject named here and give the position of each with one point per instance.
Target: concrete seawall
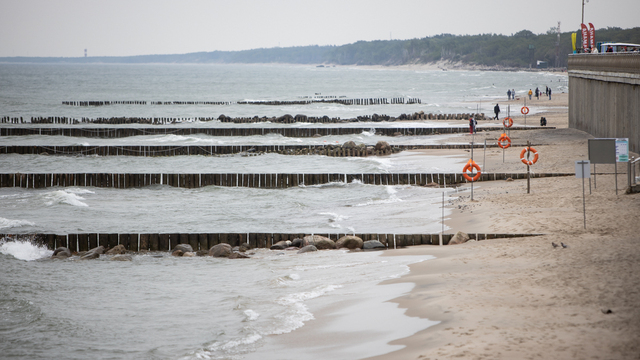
(604, 95)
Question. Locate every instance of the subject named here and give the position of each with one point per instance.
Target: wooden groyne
(265, 181)
(215, 150)
(204, 241)
(284, 119)
(306, 101)
(286, 132)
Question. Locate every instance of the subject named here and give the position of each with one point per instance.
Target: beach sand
(517, 298)
(522, 298)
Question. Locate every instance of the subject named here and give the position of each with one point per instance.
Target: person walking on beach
(537, 94)
(513, 93)
(508, 94)
(549, 94)
(496, 109)
(471, 125)
(530, 92)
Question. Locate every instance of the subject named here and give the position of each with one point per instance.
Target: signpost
(583, 170)
(608, 151)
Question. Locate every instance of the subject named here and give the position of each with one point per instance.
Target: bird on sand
(554, 245)
(563, 245)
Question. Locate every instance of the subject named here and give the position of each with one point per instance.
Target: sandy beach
(522, 298)
(517, 298)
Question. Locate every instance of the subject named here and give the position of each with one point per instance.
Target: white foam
(251, 315)
(8, 223)
(24, 250)
(63, 197)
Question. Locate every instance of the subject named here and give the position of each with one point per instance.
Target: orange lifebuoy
(504, 141)
(535, 156)
(507, 122)
(471, 164)
(524, 110)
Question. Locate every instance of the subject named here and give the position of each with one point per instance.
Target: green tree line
(512, 51)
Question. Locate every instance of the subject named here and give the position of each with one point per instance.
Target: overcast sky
(130, 27)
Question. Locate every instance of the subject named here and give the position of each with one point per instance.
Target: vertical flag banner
(573, 41)
(592, 36)
(585, 37)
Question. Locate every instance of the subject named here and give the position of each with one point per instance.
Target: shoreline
(521, 297)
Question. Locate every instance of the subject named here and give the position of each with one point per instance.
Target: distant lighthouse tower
(85, 52)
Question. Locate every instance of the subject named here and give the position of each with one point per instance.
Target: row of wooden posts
(362, 101)
(204, 241)
(267, 181)
(169, 150)
(113, 132)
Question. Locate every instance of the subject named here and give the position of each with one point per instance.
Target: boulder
(189, 254)
(122, 258)
(202, 253)
(458, 238)
(93, 253)
(244, 247)
(320, 242)
(183, 247)
(177, 253)
(307, 248)
(220, 250)
(237, 255)
(281, 245)
(349, 242)
(382, 146)
(61, 253)
(117, 250)
(373, 245)
(297, 242)
(349, 145)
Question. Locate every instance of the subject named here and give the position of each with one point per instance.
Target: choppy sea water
(158, 307)
(162, 307)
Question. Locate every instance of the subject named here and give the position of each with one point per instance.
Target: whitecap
(8, 223)
(24, 250)
(63, 197)
(251, 315)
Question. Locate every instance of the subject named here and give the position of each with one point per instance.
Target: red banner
(592, 36)
(585, 37)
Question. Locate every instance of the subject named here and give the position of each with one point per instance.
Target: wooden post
(154, 244)
(528, 166)
(144, 242)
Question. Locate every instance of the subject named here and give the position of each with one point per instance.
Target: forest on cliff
(518, 50)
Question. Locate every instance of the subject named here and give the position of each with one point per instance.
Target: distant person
(543, 121)
(513, 93)
(472, 124)
(496, 109)
(530, 93)
(475, 126)
(549, 94)
(537, 94)
(509, 94)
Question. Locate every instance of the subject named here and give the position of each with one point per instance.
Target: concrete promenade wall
(604, 95)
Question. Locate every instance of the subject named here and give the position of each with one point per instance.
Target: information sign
(622, 150)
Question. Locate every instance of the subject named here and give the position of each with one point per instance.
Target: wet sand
(517, 298)
(522, 298)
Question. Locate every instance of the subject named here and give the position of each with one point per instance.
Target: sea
(162, 307)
